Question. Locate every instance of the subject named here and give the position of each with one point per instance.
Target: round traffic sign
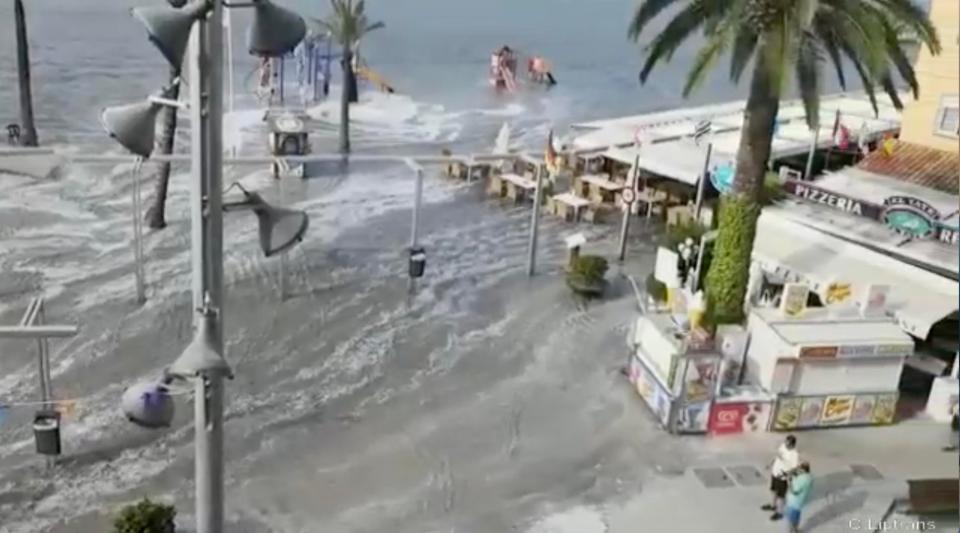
(628, 195)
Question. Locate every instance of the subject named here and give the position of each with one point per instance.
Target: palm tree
(347, 25)
(28, 135)
(777, 35)
(156, 213)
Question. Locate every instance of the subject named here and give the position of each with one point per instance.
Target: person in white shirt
(784, 464)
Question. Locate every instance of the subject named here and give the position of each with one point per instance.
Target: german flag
(550, 157)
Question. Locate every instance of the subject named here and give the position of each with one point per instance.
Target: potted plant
(656, 291)
(145, 516)
(586, 277)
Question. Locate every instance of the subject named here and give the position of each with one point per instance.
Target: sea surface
(88, 54)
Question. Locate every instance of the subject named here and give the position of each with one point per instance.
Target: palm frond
(743, 48)
(865, 77)
(911, 17)
(886, 81)
(808, 64)
(828, 40)
(894, 42)
(725, 28)
(673, 35)
(647, 11)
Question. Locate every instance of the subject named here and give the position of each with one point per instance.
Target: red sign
(727, 418)
(818, 352)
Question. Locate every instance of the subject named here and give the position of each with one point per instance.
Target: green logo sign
(911, 216)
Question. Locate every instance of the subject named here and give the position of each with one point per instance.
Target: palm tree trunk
(156, 214)
(353, 92)
(345, 103)
(729, 269)
(28, 134)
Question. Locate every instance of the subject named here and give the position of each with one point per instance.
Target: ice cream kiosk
(826, 367)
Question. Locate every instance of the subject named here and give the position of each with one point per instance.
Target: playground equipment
(312, 59)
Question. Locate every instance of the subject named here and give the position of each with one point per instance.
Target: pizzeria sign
(906, 215)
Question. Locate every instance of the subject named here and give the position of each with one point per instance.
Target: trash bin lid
(45, 424)
(419, 256)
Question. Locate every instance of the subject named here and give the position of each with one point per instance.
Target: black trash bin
(418, 262)
(46, 432)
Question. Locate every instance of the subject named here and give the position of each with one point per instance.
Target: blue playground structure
(312, 60)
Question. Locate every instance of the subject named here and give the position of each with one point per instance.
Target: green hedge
(145, 517)
(726, 283)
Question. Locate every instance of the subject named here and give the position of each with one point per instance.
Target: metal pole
(813, 150)
(696, 273)
(625, 223)
(701, 183)
(534, 223)
(417, 198)
(138, 235)
(206, 98)
(282, 77)
(283, 256)
(228, 22)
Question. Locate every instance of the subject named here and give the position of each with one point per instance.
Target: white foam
(391, 118)
(575, 520)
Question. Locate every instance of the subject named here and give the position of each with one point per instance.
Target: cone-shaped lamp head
(200, 358)
(280, 229)
(132, 125)
(169, 27)
(274, 30)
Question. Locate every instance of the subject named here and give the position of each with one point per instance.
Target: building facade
(934, 119)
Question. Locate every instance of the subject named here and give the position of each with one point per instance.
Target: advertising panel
(652, 393)
(885, 410)
(794, 412)
(693, 417)
(794, 299)
(810, 412)
(837, 410)
(738, 417)
(863, 409)
(788, 413)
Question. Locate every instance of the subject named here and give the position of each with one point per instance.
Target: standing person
(797, 496)
(783, 465)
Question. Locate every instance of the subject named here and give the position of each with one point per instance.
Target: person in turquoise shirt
(797, 496)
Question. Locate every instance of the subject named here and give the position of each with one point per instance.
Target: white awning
(917, 298)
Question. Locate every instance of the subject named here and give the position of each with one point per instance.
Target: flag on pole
(844, 138)
(702, 129)
(888, 145)
(836, 127)
(550, 155)
(862, 138)
(641, 136)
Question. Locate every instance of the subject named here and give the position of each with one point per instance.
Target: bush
(688, 229)
(772, 190)
(587, 275)
(145, 517)
(656, 289)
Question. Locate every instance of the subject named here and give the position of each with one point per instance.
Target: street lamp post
(198, 26)
(205, 63)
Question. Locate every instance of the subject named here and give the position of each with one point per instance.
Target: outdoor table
(566, 203)
(518, 186)
(601, 189)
